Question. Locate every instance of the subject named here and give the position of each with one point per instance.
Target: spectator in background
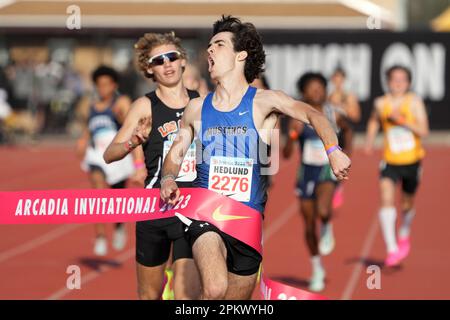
(17, 80)
(5, 108)
(62, 100)
(47, 76)
(21, 75)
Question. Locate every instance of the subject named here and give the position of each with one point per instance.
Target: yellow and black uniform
(403, 149)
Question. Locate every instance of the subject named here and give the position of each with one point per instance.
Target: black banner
(365, 55)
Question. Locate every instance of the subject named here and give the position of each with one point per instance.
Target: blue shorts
(310, 176)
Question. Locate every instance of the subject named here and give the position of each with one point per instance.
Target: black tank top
(165, 124)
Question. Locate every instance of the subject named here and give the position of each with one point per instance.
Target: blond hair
(150, 41)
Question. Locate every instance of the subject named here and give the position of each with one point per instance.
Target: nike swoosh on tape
(218, 216)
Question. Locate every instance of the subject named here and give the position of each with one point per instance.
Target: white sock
(316, 263)
(405, 228)
(387, 217)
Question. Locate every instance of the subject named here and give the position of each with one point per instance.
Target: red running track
(34, 259)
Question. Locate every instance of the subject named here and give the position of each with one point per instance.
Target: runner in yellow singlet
(404, 123)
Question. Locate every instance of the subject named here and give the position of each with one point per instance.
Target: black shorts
(154, 239)
(409, 175)
(242, 259)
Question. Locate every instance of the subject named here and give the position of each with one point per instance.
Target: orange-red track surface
(34, 258)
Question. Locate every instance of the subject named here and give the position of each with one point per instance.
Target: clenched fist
(340, 164)
(169, 191)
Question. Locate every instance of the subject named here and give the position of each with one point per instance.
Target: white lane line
(36, 242)
(92, 275)
(285, 216)
(367, 246)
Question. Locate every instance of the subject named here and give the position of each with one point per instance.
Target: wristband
(332, 148)
(139, 164)
(166, 177)
(293, 135)
(129, 146)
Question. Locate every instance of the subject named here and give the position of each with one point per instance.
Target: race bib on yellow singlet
(231, 177)
(314, 153)
(188, 171)
(400, 139)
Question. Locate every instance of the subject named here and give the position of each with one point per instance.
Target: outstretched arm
(280, 102)
(121, 110)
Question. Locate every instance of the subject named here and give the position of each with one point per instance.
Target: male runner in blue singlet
(233, 123)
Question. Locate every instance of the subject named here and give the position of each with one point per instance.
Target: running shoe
(100, 247)
(404, 246)
(168, 293)
(317, 281)
(327, 242)
(119, 238)
(393, 259)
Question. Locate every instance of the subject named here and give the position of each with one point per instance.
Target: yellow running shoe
(168, 293)
(259, 273)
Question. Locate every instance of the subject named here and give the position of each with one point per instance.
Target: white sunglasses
(158, 59)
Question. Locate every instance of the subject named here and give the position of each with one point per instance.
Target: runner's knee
(215, 289)
(407, 202)
(310, 222)
(323, 210)
(387, 193)
(147, 293)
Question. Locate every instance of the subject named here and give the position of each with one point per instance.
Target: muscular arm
(277, 101)
(305, 113)
(121, 110)
(140, 109)
(181, 143)
(171, 167)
